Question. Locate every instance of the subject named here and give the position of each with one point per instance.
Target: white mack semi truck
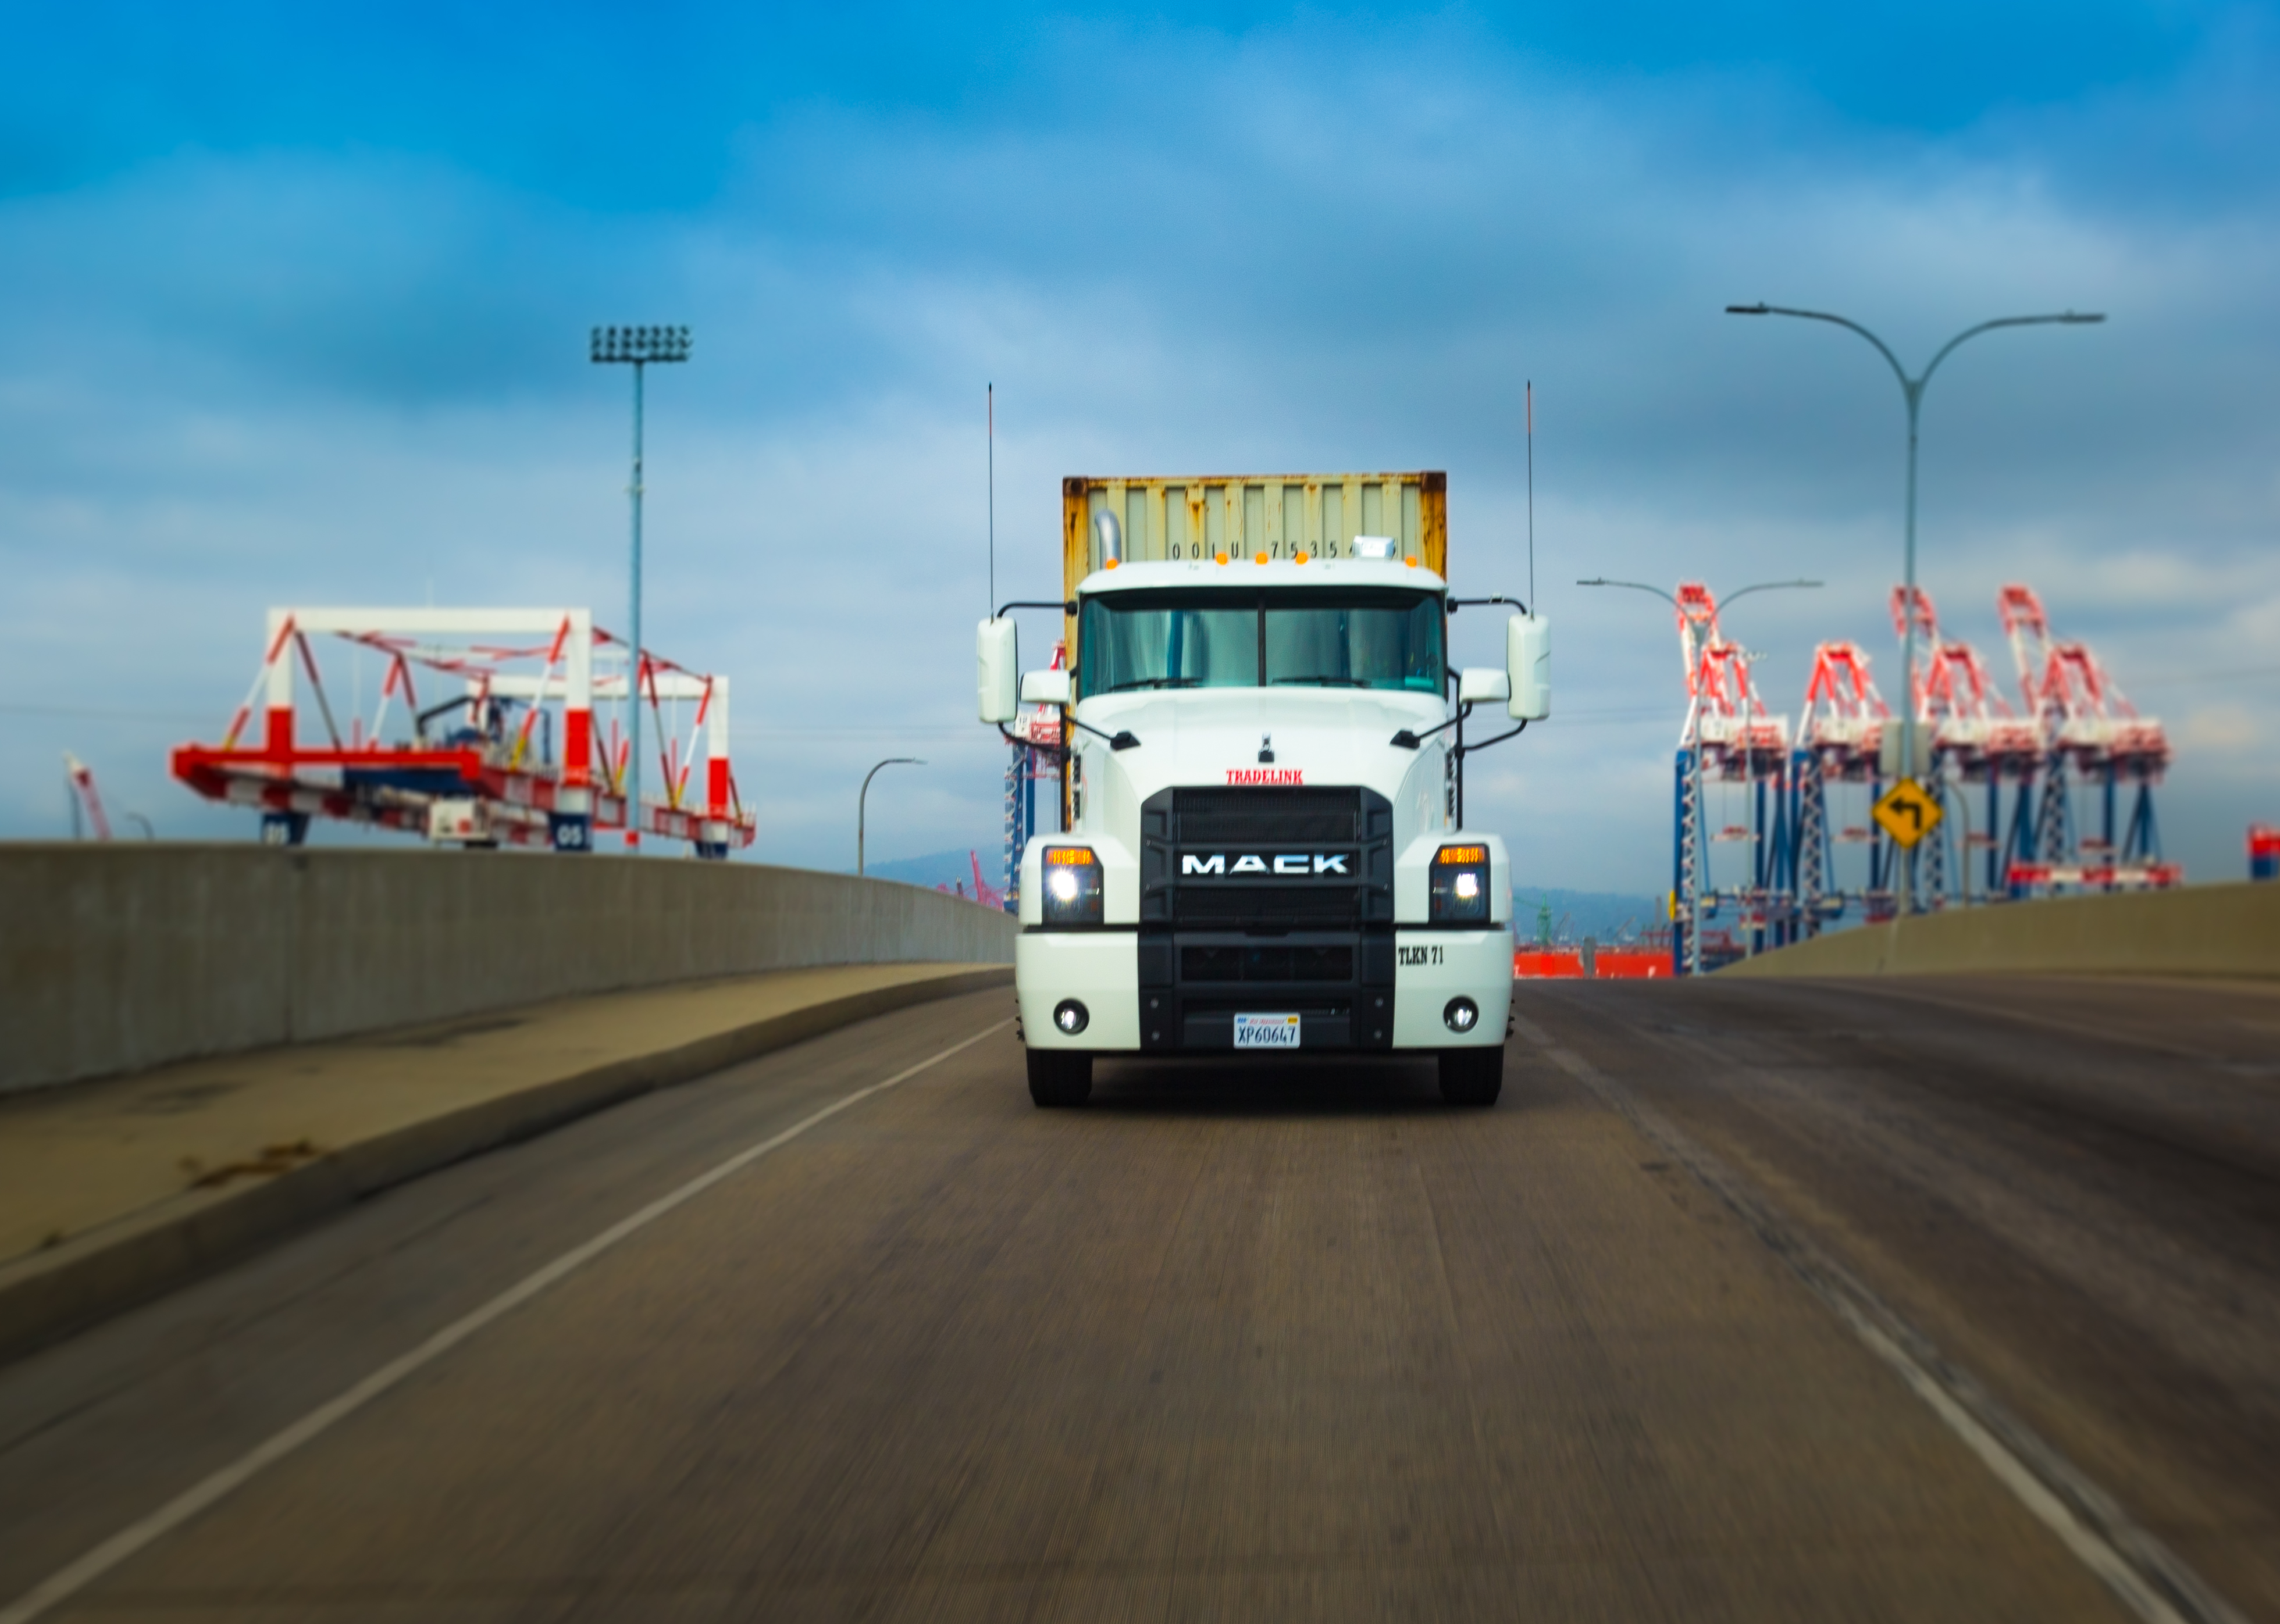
(1263, 782)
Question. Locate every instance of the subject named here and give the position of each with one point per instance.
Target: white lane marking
(2151, 1579)
(65, 1583)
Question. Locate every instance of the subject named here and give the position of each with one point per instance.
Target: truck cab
(1264, 853)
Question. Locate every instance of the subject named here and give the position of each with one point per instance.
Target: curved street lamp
(1701, 845)
(863, 798)
(1913, 390)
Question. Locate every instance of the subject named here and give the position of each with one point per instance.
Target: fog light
(1460, 1015)
(1072, 1016)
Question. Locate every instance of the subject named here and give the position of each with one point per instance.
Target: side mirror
(996, 662)
(1528, 660)
(1045, 688)
(1483, 685)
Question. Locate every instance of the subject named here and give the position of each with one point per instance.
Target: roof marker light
(1299, 558)
(1223, 558)
(1411, 560)
(1262, 558)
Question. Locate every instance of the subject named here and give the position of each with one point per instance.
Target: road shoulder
(112, 1193)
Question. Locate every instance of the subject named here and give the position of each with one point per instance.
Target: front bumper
(1178, 992)
(1433, 966)
(1099, 968)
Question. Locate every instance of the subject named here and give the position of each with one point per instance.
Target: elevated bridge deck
(851, 1330)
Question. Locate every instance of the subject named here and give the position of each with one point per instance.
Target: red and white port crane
(2088, 735)
(86, 798)
(1839, 734)
(1037, 748)
(474, 760)
(1730, 738)
(2074, 728)
(1974, 737)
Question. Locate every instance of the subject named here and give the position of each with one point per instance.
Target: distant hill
(940, 868)
(1601, 915)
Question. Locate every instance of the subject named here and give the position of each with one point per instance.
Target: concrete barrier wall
(118, 957)
(2214, 930)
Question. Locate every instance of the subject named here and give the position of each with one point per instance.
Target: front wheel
(1059, 1077)
(1472, 1076)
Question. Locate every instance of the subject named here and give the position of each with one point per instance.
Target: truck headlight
(1460, 885)
(1072, 875)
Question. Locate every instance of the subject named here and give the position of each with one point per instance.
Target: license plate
(1265, 1031)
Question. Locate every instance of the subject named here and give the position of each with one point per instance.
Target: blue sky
(292, 308)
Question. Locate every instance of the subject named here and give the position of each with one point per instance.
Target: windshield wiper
(1118, 688)
(1325, 682)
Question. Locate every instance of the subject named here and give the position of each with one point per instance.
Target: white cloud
(2219, 728)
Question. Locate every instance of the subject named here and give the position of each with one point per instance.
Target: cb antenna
(992, 404)
(1531, 493)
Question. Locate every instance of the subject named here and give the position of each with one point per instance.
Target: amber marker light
(1301, 558)
(1262, 558)
(1110, 565)
(1223, 558)
(1411, 560)
(1461, 854)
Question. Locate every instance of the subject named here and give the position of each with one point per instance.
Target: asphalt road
(1302, 1344)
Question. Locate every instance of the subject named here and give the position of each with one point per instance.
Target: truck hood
(1198, 736)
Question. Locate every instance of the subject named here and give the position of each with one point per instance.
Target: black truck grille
(1270, 900)
(1280, 858)
(1266, 962)
(1265, 907)
(1282, 816)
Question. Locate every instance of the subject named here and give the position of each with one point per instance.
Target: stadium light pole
(637, 347)
(1701, 845)
(1912, 390)
(862, 801)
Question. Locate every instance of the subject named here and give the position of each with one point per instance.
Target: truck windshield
(1226, 639)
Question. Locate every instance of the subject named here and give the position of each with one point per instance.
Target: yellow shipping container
(1203, 515)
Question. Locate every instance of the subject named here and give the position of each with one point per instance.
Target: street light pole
(637, 347)
(862, 797)
(1701, 844)
(1912, 390)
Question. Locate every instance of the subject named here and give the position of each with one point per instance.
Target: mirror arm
(1455, 603)
(1068, 608)
(1467, 749)
(1122, 739)
(1407, 740)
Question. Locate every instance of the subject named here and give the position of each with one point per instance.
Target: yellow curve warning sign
(1908, 812)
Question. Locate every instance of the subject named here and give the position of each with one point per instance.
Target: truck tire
(1472, 1076)
(1059, 1077)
